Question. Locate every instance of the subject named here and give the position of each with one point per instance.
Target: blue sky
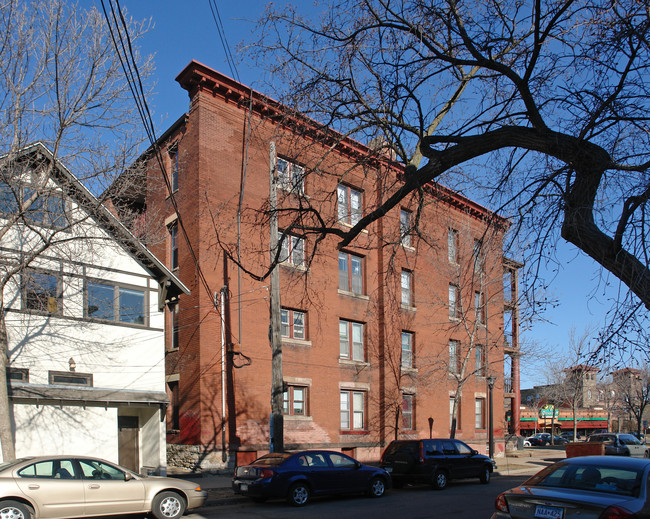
(186, 30)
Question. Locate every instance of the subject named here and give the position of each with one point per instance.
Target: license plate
(549, 512)
(243, 487)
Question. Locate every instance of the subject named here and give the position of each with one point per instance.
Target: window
(479, 413)
(351, 340)
(507, 327)
(453, 302)
(173, 245)
(295, 401)
(478, 256)
(94, 469)
(407, 350)
(293, 324)
(454, 356)
(451, 412)
(350, 273)
(407, 412)
(42, 292)
(69, 378)
(452, 246)
(173, 159)
(18, 374)
(407, 291)
(508, 286)
(114, 303)
(348, 205)
(48, 208)
(293, 250)
(290, 176)
(352, 410)
(479, 307)
(175, 339)
(9, 198)
(405, 227)
(174, 400)
(54, 469)
(479, 351)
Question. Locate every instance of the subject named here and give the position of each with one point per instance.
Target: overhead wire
(224, 41)
(130, 67)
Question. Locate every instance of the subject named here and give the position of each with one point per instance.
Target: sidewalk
(524, 462)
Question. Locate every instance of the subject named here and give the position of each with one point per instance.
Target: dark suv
(435, 462)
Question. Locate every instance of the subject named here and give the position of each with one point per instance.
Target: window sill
(298, 418)
(286, 264)
(346, 431)
(408, 308)
(349, 362)
(288, 341)
(349, 226)
(409, 248)
(410, 371)
(352, 294)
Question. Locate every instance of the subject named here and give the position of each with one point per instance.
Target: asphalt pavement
(524, 462)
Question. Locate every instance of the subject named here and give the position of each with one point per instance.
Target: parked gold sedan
(66, 487)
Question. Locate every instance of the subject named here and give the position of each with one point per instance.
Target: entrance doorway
(128, 442)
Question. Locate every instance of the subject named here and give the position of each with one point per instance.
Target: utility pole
(277, 382)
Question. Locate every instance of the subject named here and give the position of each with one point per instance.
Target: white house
(84, 303)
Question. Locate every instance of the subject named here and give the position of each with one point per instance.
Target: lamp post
(490, 382)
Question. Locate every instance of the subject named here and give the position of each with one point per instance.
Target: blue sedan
(298, 476)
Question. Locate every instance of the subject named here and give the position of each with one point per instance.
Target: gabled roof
(170, 286)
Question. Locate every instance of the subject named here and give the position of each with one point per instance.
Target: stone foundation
(195, 458)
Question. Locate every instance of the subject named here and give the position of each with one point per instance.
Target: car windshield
(610, 480)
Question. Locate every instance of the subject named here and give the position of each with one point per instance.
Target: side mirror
(128, 476)
(474, 452)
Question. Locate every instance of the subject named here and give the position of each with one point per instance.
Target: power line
(132, 74)
(224, 41)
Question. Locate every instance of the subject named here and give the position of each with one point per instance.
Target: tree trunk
(6, 430)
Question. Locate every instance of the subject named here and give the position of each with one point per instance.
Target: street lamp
(490, 382)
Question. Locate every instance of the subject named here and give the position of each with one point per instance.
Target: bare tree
(632, 387)
(543, 105)
(62, 86)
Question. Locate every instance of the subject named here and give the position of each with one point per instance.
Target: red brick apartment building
(375, 335)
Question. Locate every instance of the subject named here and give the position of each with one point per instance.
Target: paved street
(461, 500)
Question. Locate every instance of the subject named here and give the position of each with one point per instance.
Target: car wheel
(377, 487)
(485, 475)
(15, 510)
(298, 494)
(439, 480)
(168, 505)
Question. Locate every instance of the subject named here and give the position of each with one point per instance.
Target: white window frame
(408, 340)
(405, 227)
(351, 340)
(454, 355)
(452, 246)
(293, 250)
(408, 401)
(349, 206)
(406, 283)
(479, 413)
(353, 410)
(453, 301)
(291, 176)
(348, 280)
(291, 326)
